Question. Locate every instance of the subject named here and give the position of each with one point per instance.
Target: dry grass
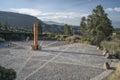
(112, 46)
(116, 74)
(73, 38)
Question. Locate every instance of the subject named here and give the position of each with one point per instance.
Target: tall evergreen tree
(99, 25)
(83, 26)
(67, 30)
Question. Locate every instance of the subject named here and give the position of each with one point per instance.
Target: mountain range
(18, 20)
(53, 23)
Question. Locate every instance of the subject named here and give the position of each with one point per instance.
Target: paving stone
(57, 71)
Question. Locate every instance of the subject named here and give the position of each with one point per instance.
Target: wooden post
(35, 45)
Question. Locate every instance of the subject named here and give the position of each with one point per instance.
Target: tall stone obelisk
(35, 45)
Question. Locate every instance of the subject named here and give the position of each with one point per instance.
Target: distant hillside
(54, 28)
(26, 21)
(17, 20)
(57, 27)
(53, 23)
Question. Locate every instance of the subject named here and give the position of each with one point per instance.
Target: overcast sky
(63, 11)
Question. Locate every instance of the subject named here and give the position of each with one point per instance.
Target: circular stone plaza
(57, 60)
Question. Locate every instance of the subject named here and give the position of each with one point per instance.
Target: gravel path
(56, 61)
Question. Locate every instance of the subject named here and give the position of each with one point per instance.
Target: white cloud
(53, 16)
(60, 15)
(109, 9)
(116, 9)
(29, 11)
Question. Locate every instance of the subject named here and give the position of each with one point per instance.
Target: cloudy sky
(63, 11)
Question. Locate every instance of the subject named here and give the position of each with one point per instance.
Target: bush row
(61, 37)
(2, 40)
(7, 74)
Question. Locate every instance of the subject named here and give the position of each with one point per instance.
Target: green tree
(0, 26)
(40, 27)
(99, 26)
(6, 26)
(83, 26)
(67, 30)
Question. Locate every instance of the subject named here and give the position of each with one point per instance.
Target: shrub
(116, 74)
(60, 37)
(84, 41)
(48, 36)
(2, 40)
(15, 37)
(112, 46)
(7, 74)
(73, 38)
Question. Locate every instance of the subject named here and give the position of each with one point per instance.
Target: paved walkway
(56, 61)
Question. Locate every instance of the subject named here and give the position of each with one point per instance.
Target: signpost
(35, 44)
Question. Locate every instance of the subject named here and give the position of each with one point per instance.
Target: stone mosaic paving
(56, 61)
